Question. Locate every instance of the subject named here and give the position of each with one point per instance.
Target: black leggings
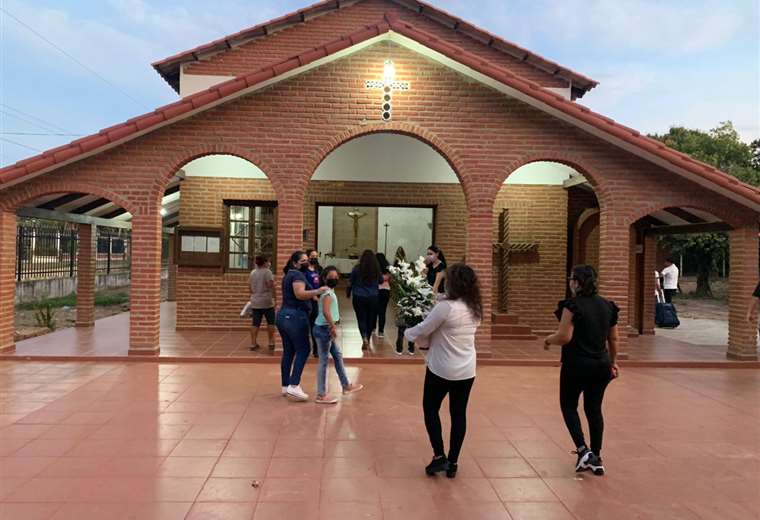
(383, 297)
(435, 390)
(590, 377)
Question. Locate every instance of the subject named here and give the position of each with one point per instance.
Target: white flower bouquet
(411, 292)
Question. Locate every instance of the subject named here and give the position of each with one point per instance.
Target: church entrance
(392, 194)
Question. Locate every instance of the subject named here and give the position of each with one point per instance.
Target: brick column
(7, 280)
(742, 335)
(145, 286)
(86, 267)
(650, 266)
(479, 256)
(614, 268)
(171, 292)
(633, 301)
(289, 229)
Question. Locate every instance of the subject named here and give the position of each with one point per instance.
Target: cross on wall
(388, 86)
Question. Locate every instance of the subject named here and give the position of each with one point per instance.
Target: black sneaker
(451, 471)
(437, 465)
(595, 464)
(584, 455)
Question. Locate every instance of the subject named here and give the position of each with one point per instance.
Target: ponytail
(585, 275)
(294, 258)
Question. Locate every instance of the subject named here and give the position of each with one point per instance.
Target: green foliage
(44, 315)
(101, 300)
(722, 148)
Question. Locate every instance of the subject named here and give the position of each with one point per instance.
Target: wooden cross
(387, 86)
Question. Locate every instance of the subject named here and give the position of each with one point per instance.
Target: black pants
(435, 390)
(590, 377)
(383, 297)
(365, 308)
(312, 318)
(669, 293)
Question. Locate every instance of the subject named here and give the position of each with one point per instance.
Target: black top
(431, 274)
(593, 317)
(756, 294)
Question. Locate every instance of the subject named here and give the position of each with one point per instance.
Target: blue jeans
(327, 345)
(293, 325)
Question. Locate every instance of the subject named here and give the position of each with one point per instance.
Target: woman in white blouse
(449, 330)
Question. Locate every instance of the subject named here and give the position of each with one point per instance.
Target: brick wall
(317, 31)
(537, 214)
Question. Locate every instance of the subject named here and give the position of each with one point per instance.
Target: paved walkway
(695, 341)
(159, 441)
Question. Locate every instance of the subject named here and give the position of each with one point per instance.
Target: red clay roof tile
(201, 99)
(169, 67)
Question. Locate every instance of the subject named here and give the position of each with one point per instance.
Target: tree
(722, 148)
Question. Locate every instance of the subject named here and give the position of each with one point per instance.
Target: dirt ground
(27, 327)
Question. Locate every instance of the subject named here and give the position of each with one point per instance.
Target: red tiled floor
(109, 338)
(680, 443)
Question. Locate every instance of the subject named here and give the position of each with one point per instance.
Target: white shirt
(670, 277)
(449, 330)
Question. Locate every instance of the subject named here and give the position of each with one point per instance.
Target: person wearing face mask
(325, 330)
(436, 270)
(313, 275)
(588, 335)
(293, 324)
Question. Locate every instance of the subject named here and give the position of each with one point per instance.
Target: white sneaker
(295, 393)
(284, 390)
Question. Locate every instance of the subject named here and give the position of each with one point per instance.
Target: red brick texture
(86, 267)
(537, 214)
(650, 266)
(288, 129)
(742, 335)
(291, 41)
(7, 279)
(171, 290)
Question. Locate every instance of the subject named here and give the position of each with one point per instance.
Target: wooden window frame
(251, 204)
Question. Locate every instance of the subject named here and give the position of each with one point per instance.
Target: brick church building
(374, 110)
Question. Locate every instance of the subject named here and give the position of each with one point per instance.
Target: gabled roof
(516, 86)
(169, 68)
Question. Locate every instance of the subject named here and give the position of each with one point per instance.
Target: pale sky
(659, 63)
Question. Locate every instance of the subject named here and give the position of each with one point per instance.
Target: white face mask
(430, 259)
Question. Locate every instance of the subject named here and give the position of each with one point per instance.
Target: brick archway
(17, 197)
(579, 164)
(180, 159)
(407, 129)
(731, 217)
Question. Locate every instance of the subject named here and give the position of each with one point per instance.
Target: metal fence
(49, 250)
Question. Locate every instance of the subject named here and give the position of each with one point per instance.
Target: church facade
(278, 102)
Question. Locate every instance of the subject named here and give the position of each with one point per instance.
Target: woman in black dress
(588, 335)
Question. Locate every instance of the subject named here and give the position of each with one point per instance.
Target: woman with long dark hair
(589, 338)
(435, 271)
(449, 331)
(383, 295)
(364, 287)
(293, 324)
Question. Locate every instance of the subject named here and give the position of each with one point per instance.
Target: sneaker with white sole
(595, 464)
(295, 393)
(325, 399)
(352, 388)
(584, 454)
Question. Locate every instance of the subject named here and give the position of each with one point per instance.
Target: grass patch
(101, 300)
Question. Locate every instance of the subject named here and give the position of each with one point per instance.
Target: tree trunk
(703, 282)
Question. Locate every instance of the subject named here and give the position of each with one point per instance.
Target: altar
(344, 265)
